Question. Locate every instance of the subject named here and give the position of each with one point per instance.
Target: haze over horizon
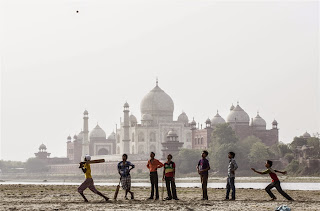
(55, 63)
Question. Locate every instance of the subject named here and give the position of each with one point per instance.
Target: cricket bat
(162, 191)
(93, 161)
(117, 191)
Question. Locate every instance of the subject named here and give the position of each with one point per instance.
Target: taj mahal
(158, 132)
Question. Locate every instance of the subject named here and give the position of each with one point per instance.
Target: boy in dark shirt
(275, 181)
(203, 167)
(168, 176)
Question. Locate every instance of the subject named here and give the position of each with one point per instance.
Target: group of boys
(203, 167)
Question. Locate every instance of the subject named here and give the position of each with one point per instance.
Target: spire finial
(157, 81)
(217, 111)
(238, 102)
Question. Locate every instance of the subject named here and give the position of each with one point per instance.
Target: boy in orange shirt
(153, 165)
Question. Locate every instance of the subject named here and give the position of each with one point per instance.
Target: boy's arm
(160, 165)
(259, 172)
(235, 165)
(132, 166)
(282, 172)
(148, 165)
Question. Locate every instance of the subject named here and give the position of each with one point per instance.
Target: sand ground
(64, 197)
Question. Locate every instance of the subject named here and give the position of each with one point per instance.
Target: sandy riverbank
(52, 197)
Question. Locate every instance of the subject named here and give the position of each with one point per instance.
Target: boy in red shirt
(275, 181)
(168, 175)
(153, 165)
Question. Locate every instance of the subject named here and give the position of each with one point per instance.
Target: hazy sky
(55, 63)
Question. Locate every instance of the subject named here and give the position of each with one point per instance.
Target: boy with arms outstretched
(88, 183)
(275, 181)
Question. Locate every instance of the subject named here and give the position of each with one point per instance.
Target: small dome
(85, 112)
(183, 118)
(259, 122)
(172, 133)
(238, 115)
(208, 121)
(112, 136)
(97, 132)
(133, 119)
(42, 147)
(217, 119)
(274, 122)
(126, 105)
(69, 137)
(193, 122)
(80, 135)
(232, 107)
(146, 117)
(306, 135)
(75, 137)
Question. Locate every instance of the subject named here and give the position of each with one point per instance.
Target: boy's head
(231, 155)
(204, 153)
(87, 158)
(268, 163)
(124, 157)
(152, 154)
(169, 157)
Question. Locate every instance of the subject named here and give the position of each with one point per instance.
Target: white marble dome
(183, 118)
(172, 133)
(238, 115)
(112, 136)
(42, 147)
(80, 135)
(217, 119)
(133, 119)
(97, 132)
(146, 117)
(306, 135)
(259, 123)
(157, 102)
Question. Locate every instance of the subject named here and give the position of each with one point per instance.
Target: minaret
(126, 139)
(85, 141)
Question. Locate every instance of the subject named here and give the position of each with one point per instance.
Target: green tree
(247, 143)
(219, 158)
(259, 153)
(293, 167)
(315, 143)
(284, 149)
(34, 165)
(289, 157)
(187, 160)
(297, 141)
(223, 134)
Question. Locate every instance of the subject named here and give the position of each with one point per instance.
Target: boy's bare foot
(85, 201)
(273, 199)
